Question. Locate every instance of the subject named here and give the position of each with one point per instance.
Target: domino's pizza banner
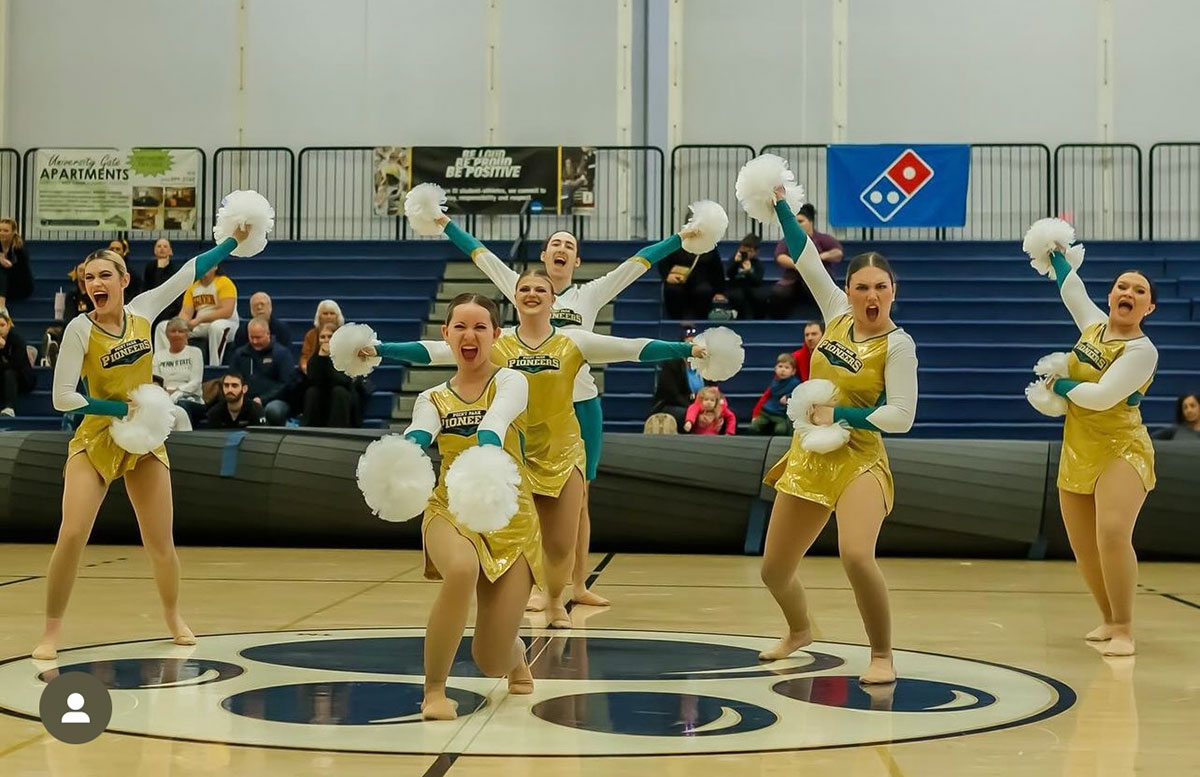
(898, 185)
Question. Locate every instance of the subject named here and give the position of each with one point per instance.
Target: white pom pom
(1044, 400)
(151, 418)
(396, 478)
(1042, 237)
(1053, 365)
(423, 206)
(818, 439)
(249, 209)
(483, 485)
(725, 354)
(344, 346)
(825, 439)
(709, 221)
(755, 187)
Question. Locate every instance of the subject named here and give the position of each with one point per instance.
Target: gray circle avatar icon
(75, 708)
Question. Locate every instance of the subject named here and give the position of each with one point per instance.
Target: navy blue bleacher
(980, 316)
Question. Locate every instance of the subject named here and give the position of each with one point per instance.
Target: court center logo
(896, 186)
(597, 692)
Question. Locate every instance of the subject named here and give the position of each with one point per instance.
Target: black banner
(492, 180)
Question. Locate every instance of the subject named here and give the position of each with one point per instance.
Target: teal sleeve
(214, 256)
(661, 250)
(1063, 385)
(1062, 268)
(462, 240)
(412, 353)
(105, 407)
(488, 437)
(792, 233)
(662, 351)
(855, 416)
(420, 437)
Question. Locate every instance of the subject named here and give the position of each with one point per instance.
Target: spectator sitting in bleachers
(813, 332)
(232, 411)
(16, 370)
(770, 414)
(120, 246)
(790, 295)
(330, 396)
(675, 385)
(181, 368)
(157, 271)
(1187, 420)
(328, 312)
(692, 283)
(710, 414)
(78, 301)
(262, 307)
(267, 367)
(16, 274)
(210, 310)
(747, 295)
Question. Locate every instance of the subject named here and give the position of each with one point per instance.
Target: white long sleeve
(499, 273)
(425, 417)
(603, 290)
(605, 349)
(832, 301)
(512, 398)
(150, 303)
(1079, 304)
(900, 384)
(1124, 377)
(67, 368)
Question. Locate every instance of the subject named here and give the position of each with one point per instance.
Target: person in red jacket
(813, 332)
(710, 414)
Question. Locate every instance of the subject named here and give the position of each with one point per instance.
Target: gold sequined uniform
(857, 369)
(113, 366)
(553, 443)
(497, 550)
(1093, 439)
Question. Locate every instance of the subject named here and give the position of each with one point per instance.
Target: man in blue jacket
(268, 367)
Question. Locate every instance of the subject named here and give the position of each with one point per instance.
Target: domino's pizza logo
(897, 185)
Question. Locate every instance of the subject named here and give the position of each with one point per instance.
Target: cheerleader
(1107, 464)
(110, 349)
(872, 364)
(574, 306)
(554, 450)
(482, 405)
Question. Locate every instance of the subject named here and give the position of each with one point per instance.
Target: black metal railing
(1174, 191)
(198, 228)
(270, 171)
(1098, 188)
(10, 184)
(708, 172)
(335, 196)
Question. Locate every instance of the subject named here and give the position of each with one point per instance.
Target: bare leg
(1079, 518)
(455, 559)
(83, 493)
(496, 648)
(579, 590)
(860, 513)
(559, 519)
(794, 526)
(149, 487)
(1119, 497)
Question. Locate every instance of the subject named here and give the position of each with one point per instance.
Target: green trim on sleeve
(1062, 268)
(214, 256)
(662, 351)
(1063, 386)
(110, 407)
(411, 353)
(420, 437)
(792, 233)
(488, 437)
(856, 417)
(464, 241)
(660, 250)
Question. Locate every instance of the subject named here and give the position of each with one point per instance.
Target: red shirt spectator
(710, 414)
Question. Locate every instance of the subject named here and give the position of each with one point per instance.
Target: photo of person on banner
(578, 180)
(392, 176)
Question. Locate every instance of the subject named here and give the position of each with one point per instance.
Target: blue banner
(898, 186)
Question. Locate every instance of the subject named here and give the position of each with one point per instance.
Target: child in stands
(770, 414)
(710, 414)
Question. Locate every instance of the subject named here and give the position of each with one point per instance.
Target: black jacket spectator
(330, 397)
(153, 277)
(745, 281)
(16, 282)
(279, 334)
(692, 295)
(267, 371)
(16, 371)
(250, 415)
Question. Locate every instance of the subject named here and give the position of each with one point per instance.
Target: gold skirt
(110, 460)
(824, 477)
(548, 474)
(497, 550)
(1078, 470)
